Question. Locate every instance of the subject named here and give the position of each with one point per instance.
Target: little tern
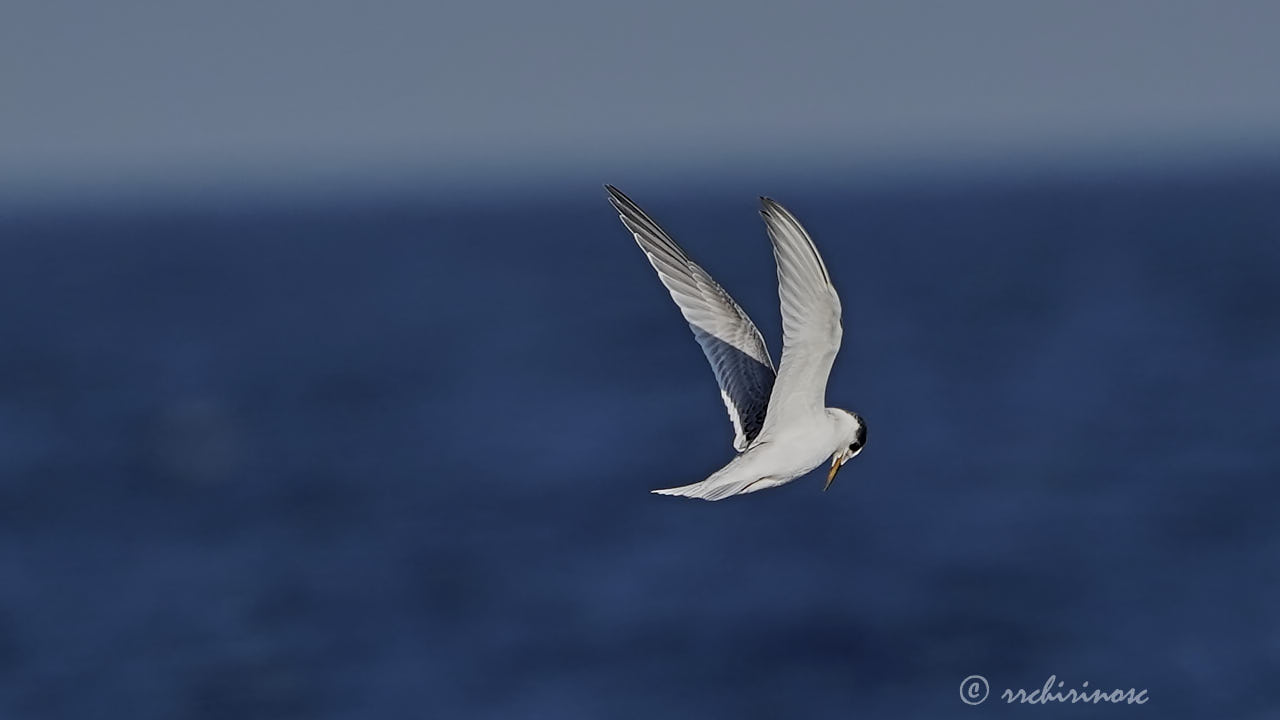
(782, 427)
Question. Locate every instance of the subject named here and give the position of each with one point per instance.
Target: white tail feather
(718, 488)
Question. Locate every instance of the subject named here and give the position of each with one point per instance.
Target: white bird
(782, 427)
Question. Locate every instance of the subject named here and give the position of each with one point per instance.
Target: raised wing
(729, 339)
(811, 329)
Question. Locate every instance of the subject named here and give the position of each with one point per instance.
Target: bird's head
(853, 437)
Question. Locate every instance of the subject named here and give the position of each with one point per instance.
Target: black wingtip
(617, 197)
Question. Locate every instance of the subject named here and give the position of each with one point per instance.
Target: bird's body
(774, 459)
(782, 428)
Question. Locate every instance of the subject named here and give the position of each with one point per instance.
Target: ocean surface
(391, 458)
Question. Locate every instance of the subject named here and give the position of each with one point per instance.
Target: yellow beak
(831, 475)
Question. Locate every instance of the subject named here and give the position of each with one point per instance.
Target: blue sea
(390, 457)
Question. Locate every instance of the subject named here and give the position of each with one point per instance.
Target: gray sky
(122, 91)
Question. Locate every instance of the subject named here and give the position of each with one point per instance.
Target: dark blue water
(391, 459)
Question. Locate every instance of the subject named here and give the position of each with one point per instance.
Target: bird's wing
(729, 339)
(810, 320)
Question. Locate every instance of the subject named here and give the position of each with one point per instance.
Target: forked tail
(737, 478)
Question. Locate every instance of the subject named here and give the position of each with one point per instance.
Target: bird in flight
(782, 427)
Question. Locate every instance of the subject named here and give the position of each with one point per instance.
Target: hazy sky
(127, 90)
